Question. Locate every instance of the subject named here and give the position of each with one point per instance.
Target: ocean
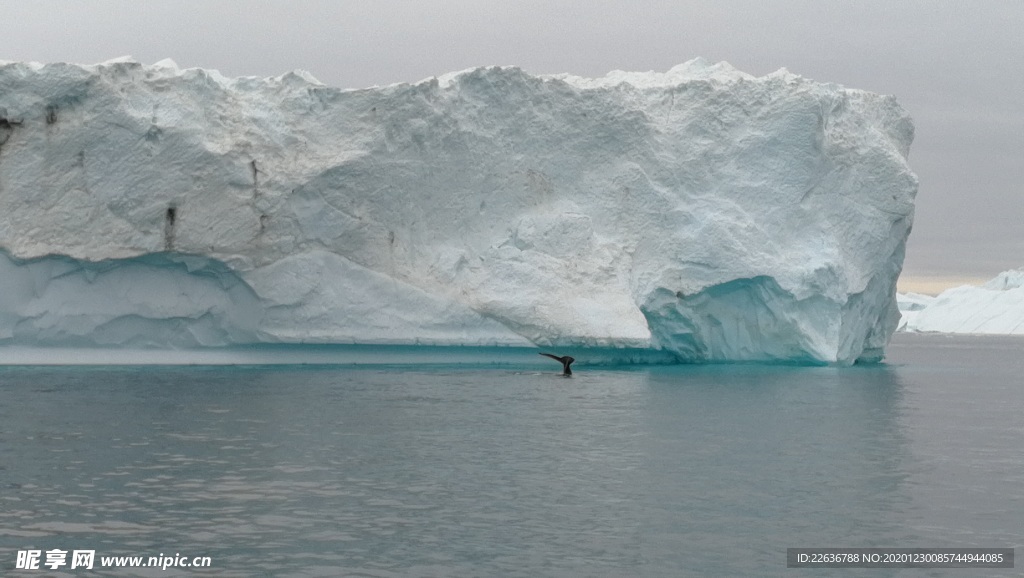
(512, 470)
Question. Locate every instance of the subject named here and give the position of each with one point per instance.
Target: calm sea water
(448, 471)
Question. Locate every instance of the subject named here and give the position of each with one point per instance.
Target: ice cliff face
(701, 211)
(997, 307)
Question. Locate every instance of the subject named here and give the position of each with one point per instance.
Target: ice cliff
(997, 307)
(702, 211)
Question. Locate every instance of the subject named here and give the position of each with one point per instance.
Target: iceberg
(700, 214)
(910, 304)
(995, 308)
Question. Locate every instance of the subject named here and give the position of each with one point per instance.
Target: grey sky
(958, 67)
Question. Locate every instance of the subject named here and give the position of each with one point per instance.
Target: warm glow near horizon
(934, 284)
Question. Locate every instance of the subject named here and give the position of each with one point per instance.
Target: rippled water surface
(480, 471)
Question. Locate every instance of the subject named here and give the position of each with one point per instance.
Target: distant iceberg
(701, 213)
(997, 307)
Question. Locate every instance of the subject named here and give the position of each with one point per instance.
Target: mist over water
(507, 471)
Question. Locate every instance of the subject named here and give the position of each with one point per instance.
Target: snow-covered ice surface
(701, 213)
(997, 307)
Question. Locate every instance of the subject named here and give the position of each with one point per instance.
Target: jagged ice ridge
(702, 212)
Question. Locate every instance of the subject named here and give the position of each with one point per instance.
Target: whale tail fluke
(566, 361)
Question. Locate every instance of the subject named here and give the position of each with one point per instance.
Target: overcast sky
(957, 66)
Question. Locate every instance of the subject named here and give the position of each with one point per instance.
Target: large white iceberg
(701, 212)
(996, 307)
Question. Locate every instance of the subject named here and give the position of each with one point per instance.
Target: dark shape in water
(566, 362)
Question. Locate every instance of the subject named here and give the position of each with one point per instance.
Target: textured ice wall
(702, 210)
